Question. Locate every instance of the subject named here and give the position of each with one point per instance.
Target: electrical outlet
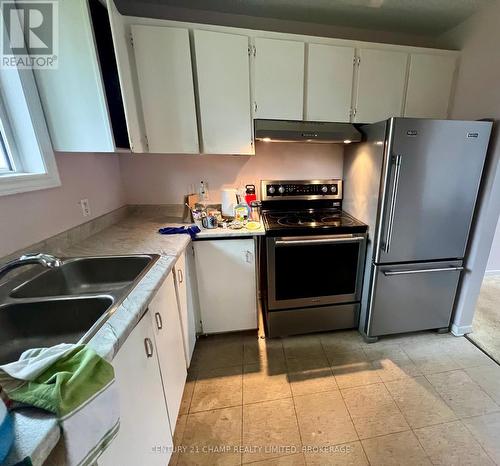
(85, 205)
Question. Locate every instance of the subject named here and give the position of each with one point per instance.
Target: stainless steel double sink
(68, 304)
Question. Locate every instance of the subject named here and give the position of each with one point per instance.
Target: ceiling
(424, 17)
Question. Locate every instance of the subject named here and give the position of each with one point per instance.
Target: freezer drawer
(412, 297)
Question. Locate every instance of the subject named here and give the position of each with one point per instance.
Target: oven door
(314, 270)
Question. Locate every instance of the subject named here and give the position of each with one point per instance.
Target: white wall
(165, 179)
(477, 95)
(493, 265)
(31, 217)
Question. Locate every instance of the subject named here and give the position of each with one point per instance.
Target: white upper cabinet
(328, 82)
(380, 85)
(223, 75)
(163, 62)
(72, 95)
(429, 85)
(279, 79)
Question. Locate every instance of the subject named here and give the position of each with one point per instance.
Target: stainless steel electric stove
(312, 259)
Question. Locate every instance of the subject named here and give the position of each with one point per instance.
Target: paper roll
(228, 200)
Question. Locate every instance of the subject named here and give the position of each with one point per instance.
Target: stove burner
(297, 220)
(337, 220)
(275, 216)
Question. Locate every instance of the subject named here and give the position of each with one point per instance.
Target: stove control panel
(314, 189)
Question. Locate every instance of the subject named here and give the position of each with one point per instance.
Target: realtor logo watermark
(30, 35)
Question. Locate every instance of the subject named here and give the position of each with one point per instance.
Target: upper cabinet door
(429, 85)
(381, 84)
(72, 95)
(163, 60)
(279, 79)
(223, 72)
(329, 82)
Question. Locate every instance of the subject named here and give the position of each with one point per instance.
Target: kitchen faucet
(45, 260)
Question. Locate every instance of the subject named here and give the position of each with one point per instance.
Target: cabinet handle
(248, 256)
(159, 322)
(255, 107)
(148, 345)
(180, 276)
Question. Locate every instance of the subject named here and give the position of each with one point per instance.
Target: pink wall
(148, 179)
(31, 217)
(165, 179)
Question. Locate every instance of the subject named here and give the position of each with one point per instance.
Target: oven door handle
(305, 242)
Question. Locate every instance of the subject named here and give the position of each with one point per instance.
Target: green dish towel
(78, 386)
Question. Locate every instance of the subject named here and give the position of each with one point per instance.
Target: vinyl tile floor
(332, 399)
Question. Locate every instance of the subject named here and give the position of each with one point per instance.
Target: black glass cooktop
(309, 221)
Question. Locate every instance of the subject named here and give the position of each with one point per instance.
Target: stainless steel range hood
(305, 131)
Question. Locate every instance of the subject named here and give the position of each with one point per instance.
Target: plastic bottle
(241, 210)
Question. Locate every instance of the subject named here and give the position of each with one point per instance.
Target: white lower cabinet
(150, 370)
(225, 270)
(169, 345)
(184, 286)
(145, 436)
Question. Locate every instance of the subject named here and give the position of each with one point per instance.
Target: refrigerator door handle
(390, 273)
(397, 159)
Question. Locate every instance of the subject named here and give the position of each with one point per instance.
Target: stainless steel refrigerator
(415, 183)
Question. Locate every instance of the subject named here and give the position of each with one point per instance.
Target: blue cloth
(191, 230)
(6, 431)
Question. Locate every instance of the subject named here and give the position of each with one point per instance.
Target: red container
(250, 193)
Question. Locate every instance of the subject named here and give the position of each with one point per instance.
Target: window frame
(7, 144)
(25, 134)
(35, 169)
(5, 156)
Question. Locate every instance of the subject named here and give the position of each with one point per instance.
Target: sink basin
(45, 323)
(89, 275)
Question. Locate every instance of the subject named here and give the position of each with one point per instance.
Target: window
(27, 160)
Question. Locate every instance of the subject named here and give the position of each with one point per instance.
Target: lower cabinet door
(170, 346)
(183, 288)
(226, 274)
(413, 297)
(145, 436)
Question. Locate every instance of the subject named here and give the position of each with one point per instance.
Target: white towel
(75, 383)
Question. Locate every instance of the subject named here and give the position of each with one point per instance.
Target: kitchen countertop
(37, 432)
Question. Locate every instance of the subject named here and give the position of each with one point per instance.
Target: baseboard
(461, 331)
